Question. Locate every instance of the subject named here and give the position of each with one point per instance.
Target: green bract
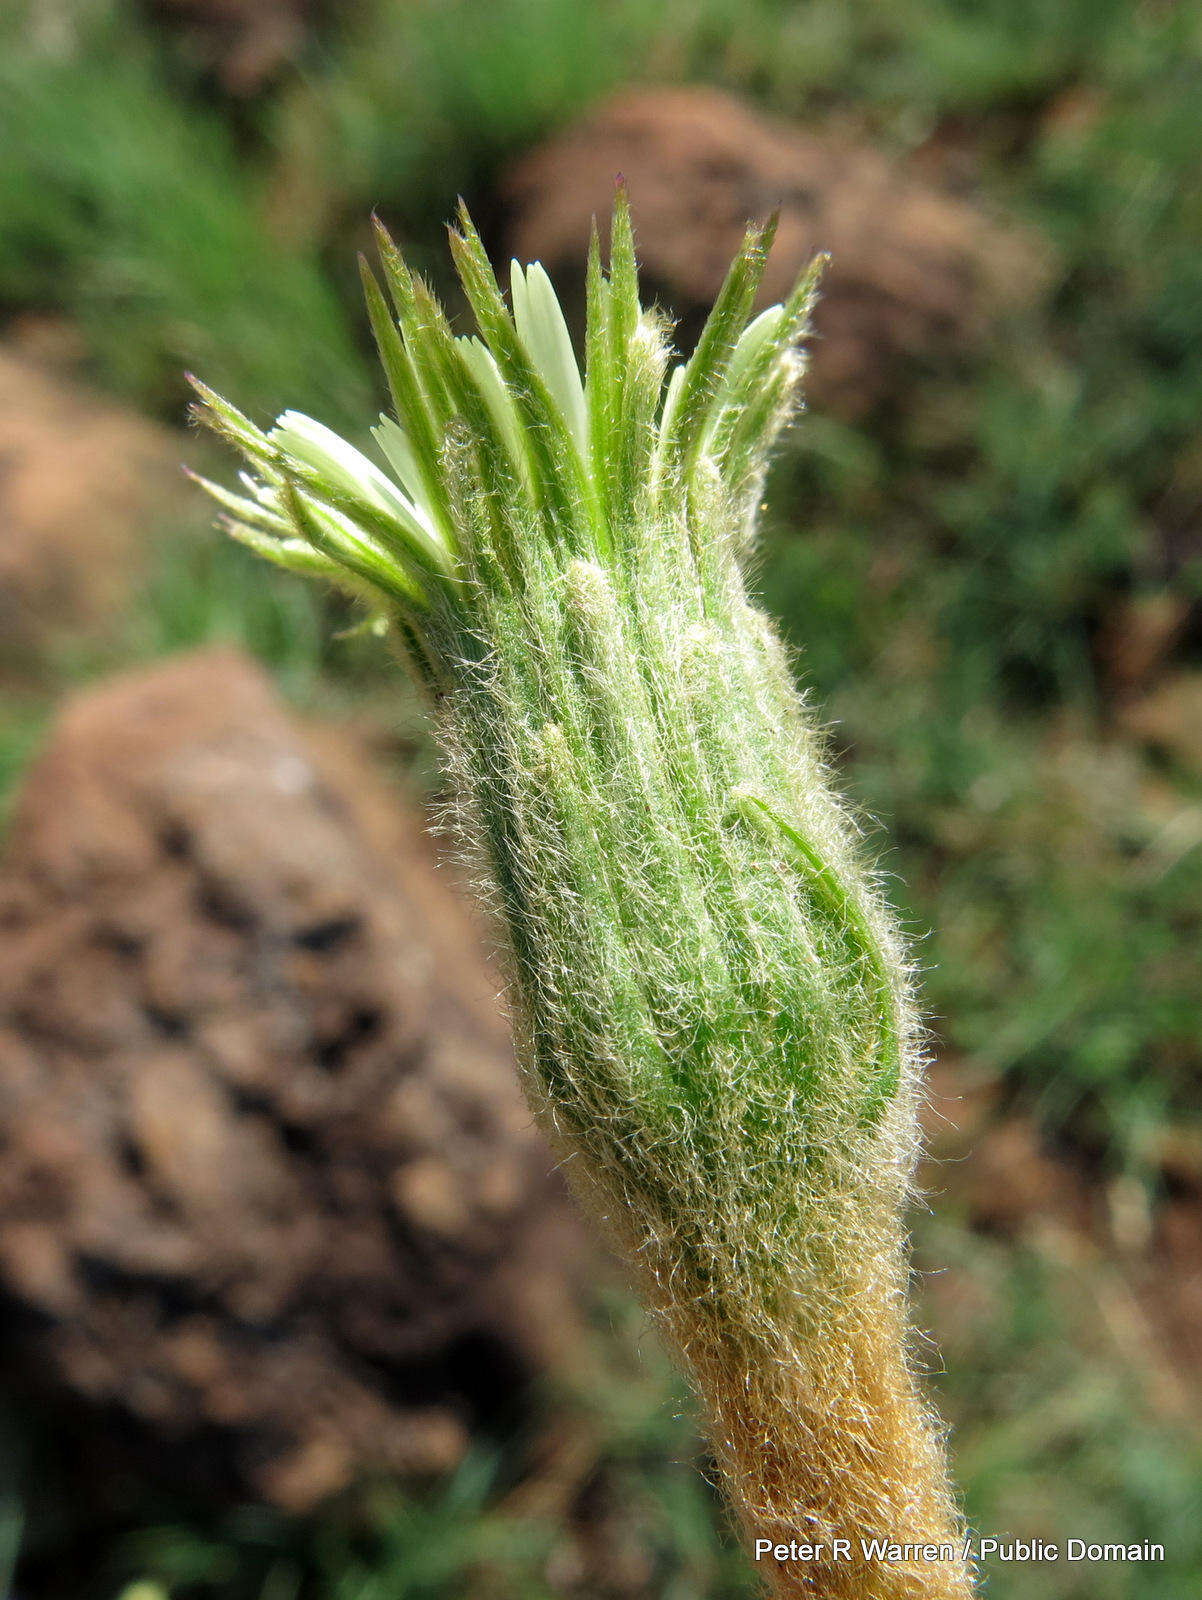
(584, 456)
(711, 1001)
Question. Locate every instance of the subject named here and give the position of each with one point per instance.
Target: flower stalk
(713, 1005)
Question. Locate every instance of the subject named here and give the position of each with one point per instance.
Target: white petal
(341, 467)
(497, 398)
(394, 442)
(541, 326)
(242, 507)
(267, 494)
(755, 336)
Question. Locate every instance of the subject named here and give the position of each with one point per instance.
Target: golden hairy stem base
(832, 1440)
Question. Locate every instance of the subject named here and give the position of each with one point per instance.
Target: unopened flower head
(575, 451)
(711, 1000)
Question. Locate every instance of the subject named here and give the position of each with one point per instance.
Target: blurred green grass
(948, 570)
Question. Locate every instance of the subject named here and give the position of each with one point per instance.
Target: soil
(83, 483)
(912, 264)
(268, 1190)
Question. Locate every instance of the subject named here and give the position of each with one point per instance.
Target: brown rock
(267, 1185)
(82, 483)
(911, 265)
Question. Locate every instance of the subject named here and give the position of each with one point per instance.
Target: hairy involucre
(713, 1005)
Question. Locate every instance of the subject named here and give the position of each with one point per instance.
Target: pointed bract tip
(367, 275)
(209, 396)
(385, 243)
